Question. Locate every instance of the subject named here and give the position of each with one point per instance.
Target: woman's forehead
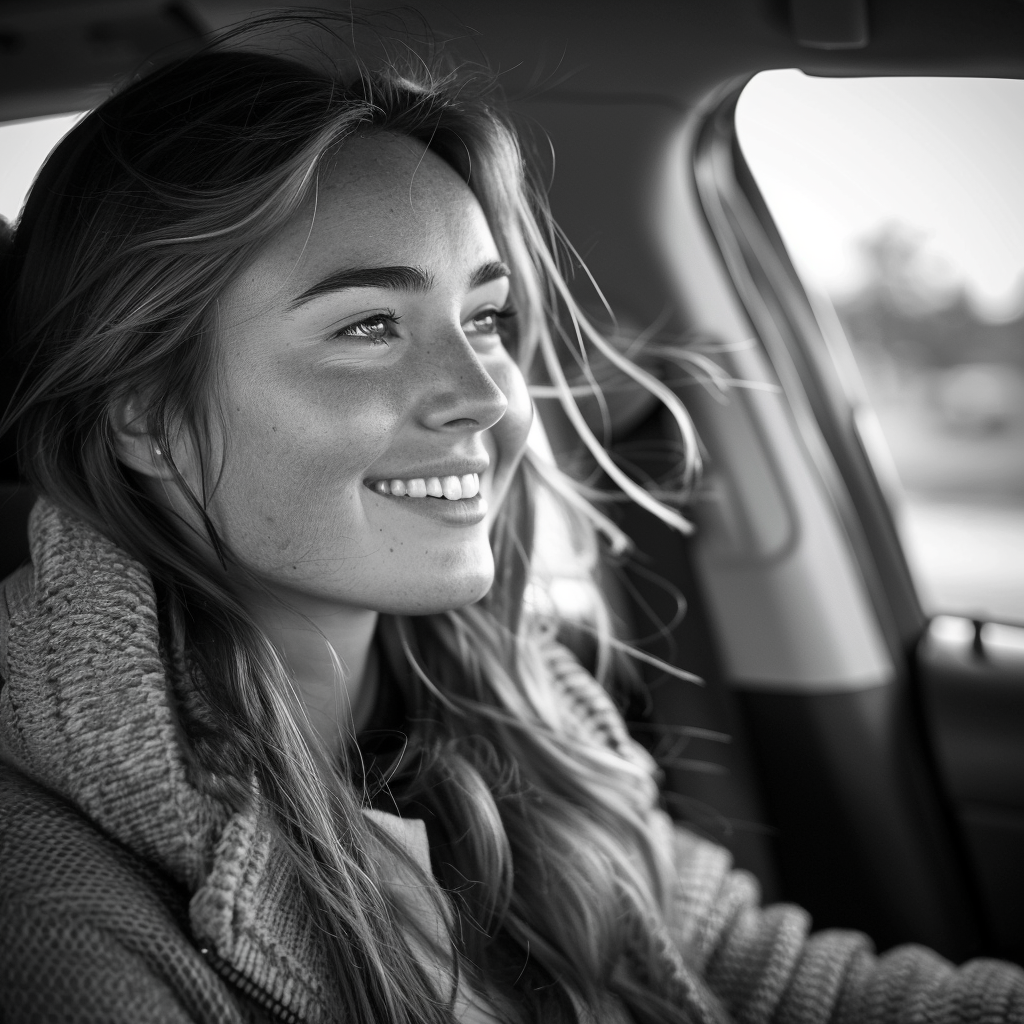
(386, 160)
(383, 199)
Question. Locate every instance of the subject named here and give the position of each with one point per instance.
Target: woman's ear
(137, 447)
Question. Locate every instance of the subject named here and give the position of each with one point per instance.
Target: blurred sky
(23, 148)
(837, 158)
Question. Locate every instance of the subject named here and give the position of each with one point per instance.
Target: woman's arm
(764, 966)
(761, 962)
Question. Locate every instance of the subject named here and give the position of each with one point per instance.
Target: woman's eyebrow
(413, 279)
(487, 272)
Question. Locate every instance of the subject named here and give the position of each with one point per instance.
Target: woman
(282, 739)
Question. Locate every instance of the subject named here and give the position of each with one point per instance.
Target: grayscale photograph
(511, 513)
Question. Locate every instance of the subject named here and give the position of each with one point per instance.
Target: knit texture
(128, 895)
(90, 933)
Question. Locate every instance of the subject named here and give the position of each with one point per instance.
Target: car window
(24, 146)
(900, 203)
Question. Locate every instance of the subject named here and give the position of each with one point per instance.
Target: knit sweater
(127, 894)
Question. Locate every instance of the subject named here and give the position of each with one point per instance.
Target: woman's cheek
(295, 452)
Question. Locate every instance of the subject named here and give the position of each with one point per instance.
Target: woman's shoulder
(90, 930)
(45, 840)
(55, 860)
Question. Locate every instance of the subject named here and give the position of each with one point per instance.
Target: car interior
(861, 754)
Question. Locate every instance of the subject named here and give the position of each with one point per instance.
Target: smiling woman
(274, 324)
(281, 737)
(344, 388)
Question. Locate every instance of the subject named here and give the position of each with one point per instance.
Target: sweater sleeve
(764, 966)
(762, 962)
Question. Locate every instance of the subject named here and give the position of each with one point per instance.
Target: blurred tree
(911, 311)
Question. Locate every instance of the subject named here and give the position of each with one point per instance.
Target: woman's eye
(374, 329)
(491, 320)
(486, 323)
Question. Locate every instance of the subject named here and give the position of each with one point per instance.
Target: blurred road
(962, 519)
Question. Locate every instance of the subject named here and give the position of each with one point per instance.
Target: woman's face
(361, 368)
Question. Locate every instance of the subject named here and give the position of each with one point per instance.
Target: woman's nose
(460, 392)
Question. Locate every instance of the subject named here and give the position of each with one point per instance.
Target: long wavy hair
(134, 227)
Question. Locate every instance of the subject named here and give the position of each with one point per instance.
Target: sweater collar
(89, 711)
(88, 708)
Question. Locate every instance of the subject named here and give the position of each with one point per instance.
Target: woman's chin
(441, 595)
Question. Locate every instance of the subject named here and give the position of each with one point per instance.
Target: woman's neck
(332, 658)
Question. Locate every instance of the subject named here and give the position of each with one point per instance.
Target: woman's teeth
(451, 487)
